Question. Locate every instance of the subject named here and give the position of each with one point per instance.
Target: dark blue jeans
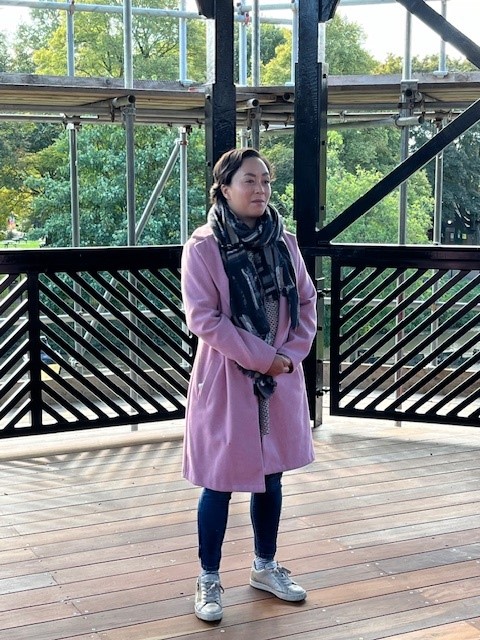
(265, 511)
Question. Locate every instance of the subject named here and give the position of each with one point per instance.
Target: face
(249, 191)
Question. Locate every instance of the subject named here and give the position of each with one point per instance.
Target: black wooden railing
(96, 337)
(91, 337)
(405, 341)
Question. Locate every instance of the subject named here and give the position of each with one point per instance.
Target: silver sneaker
(208, 598)
(275, 579)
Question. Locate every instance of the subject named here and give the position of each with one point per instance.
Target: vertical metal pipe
(183, 147)
(183, 185)
(256, 69)
(403, 196)
(242, 47)
(437, 216)
(182, 42)
(129, 122)
(437, 226)
(256, 43)
(70, 40)
(404, 150)
(294, 54)
(322, 42)
(244, 138)
(74, 199)
(210, 61)
(72, 130)
(255, 127)
(127, 44)
(442, 58)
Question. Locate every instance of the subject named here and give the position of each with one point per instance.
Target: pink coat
(223, 449)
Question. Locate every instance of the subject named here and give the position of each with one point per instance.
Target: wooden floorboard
(98, 539)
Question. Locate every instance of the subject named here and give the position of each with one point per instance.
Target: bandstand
(97, 531)
(362, 381)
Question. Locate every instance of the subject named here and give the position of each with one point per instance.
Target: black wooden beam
(448, 32)
(206, 8)
(309, 169)
(220, 98)
(326, 9)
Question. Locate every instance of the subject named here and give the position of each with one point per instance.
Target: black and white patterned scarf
(269, 275)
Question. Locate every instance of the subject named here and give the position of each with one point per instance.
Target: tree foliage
(461, 185)
(345, 53)
(102, 172)
(380, 225)
(393, 64)
(99, 49)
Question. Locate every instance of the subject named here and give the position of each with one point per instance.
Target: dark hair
(226, 167)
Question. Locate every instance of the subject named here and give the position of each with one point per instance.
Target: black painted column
(311, 104)
(220, 97)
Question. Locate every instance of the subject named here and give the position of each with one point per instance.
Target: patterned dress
(271, 310)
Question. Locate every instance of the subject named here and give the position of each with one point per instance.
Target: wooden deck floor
(99, 542)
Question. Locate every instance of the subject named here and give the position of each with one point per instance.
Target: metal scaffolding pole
(242, 47)
(183, 185)
(294, 53)
(72, 129)
(70, 40)
(152, 201)
(127, 44)
(182, 42)
(255, 121)
(405, 135)
(437, 214)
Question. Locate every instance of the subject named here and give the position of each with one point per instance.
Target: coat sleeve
(300, 339)
(204, 316)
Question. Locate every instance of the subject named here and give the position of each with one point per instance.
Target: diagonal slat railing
(91, 338)
(405, 341)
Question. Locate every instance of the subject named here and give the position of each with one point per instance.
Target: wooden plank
(382, 530)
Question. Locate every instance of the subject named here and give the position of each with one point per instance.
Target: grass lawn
(19, 244)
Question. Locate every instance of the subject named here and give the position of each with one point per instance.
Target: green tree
(345, 50)
(103, 217)
(370, 147)
(393, 64)
(461, 184)
(18, 141)
(345, 53)
(271, 37)
(277, 70)
(32, 36)
(380, 225)
(99, 45)
(5, 57)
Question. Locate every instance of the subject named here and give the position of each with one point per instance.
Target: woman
(251, 302)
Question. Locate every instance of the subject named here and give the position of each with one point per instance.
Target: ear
(224, 188)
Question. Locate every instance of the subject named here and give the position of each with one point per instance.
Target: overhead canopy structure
(47, 98)
(50, 98)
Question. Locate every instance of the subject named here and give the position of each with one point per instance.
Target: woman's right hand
(280, 365)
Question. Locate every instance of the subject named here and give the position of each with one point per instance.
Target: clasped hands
(280, 364)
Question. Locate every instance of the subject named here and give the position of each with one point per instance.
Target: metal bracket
(410, 97)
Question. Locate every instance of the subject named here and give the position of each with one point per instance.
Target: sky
(383, 24)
